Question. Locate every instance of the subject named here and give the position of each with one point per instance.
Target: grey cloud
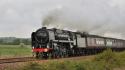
(20, 17)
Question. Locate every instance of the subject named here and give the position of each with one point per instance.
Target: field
(107, 60)
(8, 51)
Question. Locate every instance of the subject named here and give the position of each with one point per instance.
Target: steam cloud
(102, 18)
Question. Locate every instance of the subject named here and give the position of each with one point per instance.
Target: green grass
(66, 65)
(107, 60)
(7, 51)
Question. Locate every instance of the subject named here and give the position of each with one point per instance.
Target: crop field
(8, 51)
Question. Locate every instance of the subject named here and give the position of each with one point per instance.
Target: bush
(79, 66)
(22, 45)
(107, 56)
(110, 59)
(63, 65)
(33, 66)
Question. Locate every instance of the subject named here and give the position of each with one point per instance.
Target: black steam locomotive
(55, 43)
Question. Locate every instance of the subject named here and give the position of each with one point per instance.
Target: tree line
(15, 41)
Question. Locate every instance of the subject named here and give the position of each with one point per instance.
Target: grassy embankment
(107, 60)
(8, 51)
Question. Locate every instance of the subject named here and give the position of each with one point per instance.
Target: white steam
(101, 18)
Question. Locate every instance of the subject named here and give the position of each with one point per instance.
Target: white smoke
(102, 18)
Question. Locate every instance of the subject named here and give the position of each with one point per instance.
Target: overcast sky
(18, 18)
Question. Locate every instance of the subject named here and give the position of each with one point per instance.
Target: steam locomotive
(54, 43)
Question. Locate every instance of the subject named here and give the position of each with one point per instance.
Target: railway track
(14, 60)
(26, 59)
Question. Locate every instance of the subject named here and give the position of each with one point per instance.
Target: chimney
(44, 28)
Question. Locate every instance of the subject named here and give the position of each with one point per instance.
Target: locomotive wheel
(66, 54)
(45, 55)
(40, 55)
(37, 55)
(49, 55)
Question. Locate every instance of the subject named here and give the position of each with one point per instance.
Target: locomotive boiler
(53, 43)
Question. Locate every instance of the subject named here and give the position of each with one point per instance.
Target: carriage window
(99, 41)
(95, 41)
